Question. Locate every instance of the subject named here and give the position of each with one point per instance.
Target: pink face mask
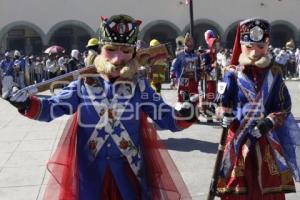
(117, 55)
(254, 51)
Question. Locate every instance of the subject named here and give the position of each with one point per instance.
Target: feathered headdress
(188, 38)
(210, 37)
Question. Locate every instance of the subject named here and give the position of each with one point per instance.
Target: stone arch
(229, 35)
(200, 26)
(162, 30)
(71, 34)
(22, 35)
(282, 32)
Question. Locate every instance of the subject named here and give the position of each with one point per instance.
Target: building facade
(32, 25)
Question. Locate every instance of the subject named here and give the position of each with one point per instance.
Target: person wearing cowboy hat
(261, 155)
(104, 152)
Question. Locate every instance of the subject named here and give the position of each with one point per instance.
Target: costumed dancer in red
(211, 74)
(108, 150)
(262, 153)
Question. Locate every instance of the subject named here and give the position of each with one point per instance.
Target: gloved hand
(227, 120)
(20, 99)
(264, 125)
(187, 110)
(256, 133)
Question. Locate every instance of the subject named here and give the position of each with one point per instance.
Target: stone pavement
(26, 145)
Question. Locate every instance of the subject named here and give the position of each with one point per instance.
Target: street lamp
(190, 3)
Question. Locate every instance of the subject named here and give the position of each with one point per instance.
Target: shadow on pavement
(187, 144)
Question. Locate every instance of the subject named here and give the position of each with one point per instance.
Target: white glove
(263, 126)
(186, 111)
(226, 121)
(19, 98)
(194, 98)
(18, 95)
(256, 133)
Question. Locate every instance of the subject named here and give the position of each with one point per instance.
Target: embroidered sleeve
(160, 112)
(34, 108)
(65, 102)
(277, 119)
(176, 66)
(284, 99)
(228, 95)
(280, 105)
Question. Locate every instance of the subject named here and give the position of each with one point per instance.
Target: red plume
(210, 37)
(236, 47)
(104, 18)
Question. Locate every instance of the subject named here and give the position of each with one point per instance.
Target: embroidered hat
(119, 29)
(188, 39)
(254, 30)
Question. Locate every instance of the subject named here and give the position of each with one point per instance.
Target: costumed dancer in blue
(261, 154)
(186, 69)
(179, 49)
(108, 150)
(19, 68)
(7, 68)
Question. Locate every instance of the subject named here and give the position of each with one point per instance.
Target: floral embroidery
(93, 146)
(239, 169)
(111, 114)
(102, 112)
(124, 144)
(268, 158)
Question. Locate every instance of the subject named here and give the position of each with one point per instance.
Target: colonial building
(32, 25)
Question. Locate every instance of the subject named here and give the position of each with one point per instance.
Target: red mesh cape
(163, 177)
(62, 166)
(236, 47)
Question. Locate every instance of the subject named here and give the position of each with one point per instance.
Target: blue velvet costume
(186, 62)
(186, 69)
(7, 67)
(99, 146)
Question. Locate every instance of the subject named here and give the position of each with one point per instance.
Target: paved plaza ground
(26, 145)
